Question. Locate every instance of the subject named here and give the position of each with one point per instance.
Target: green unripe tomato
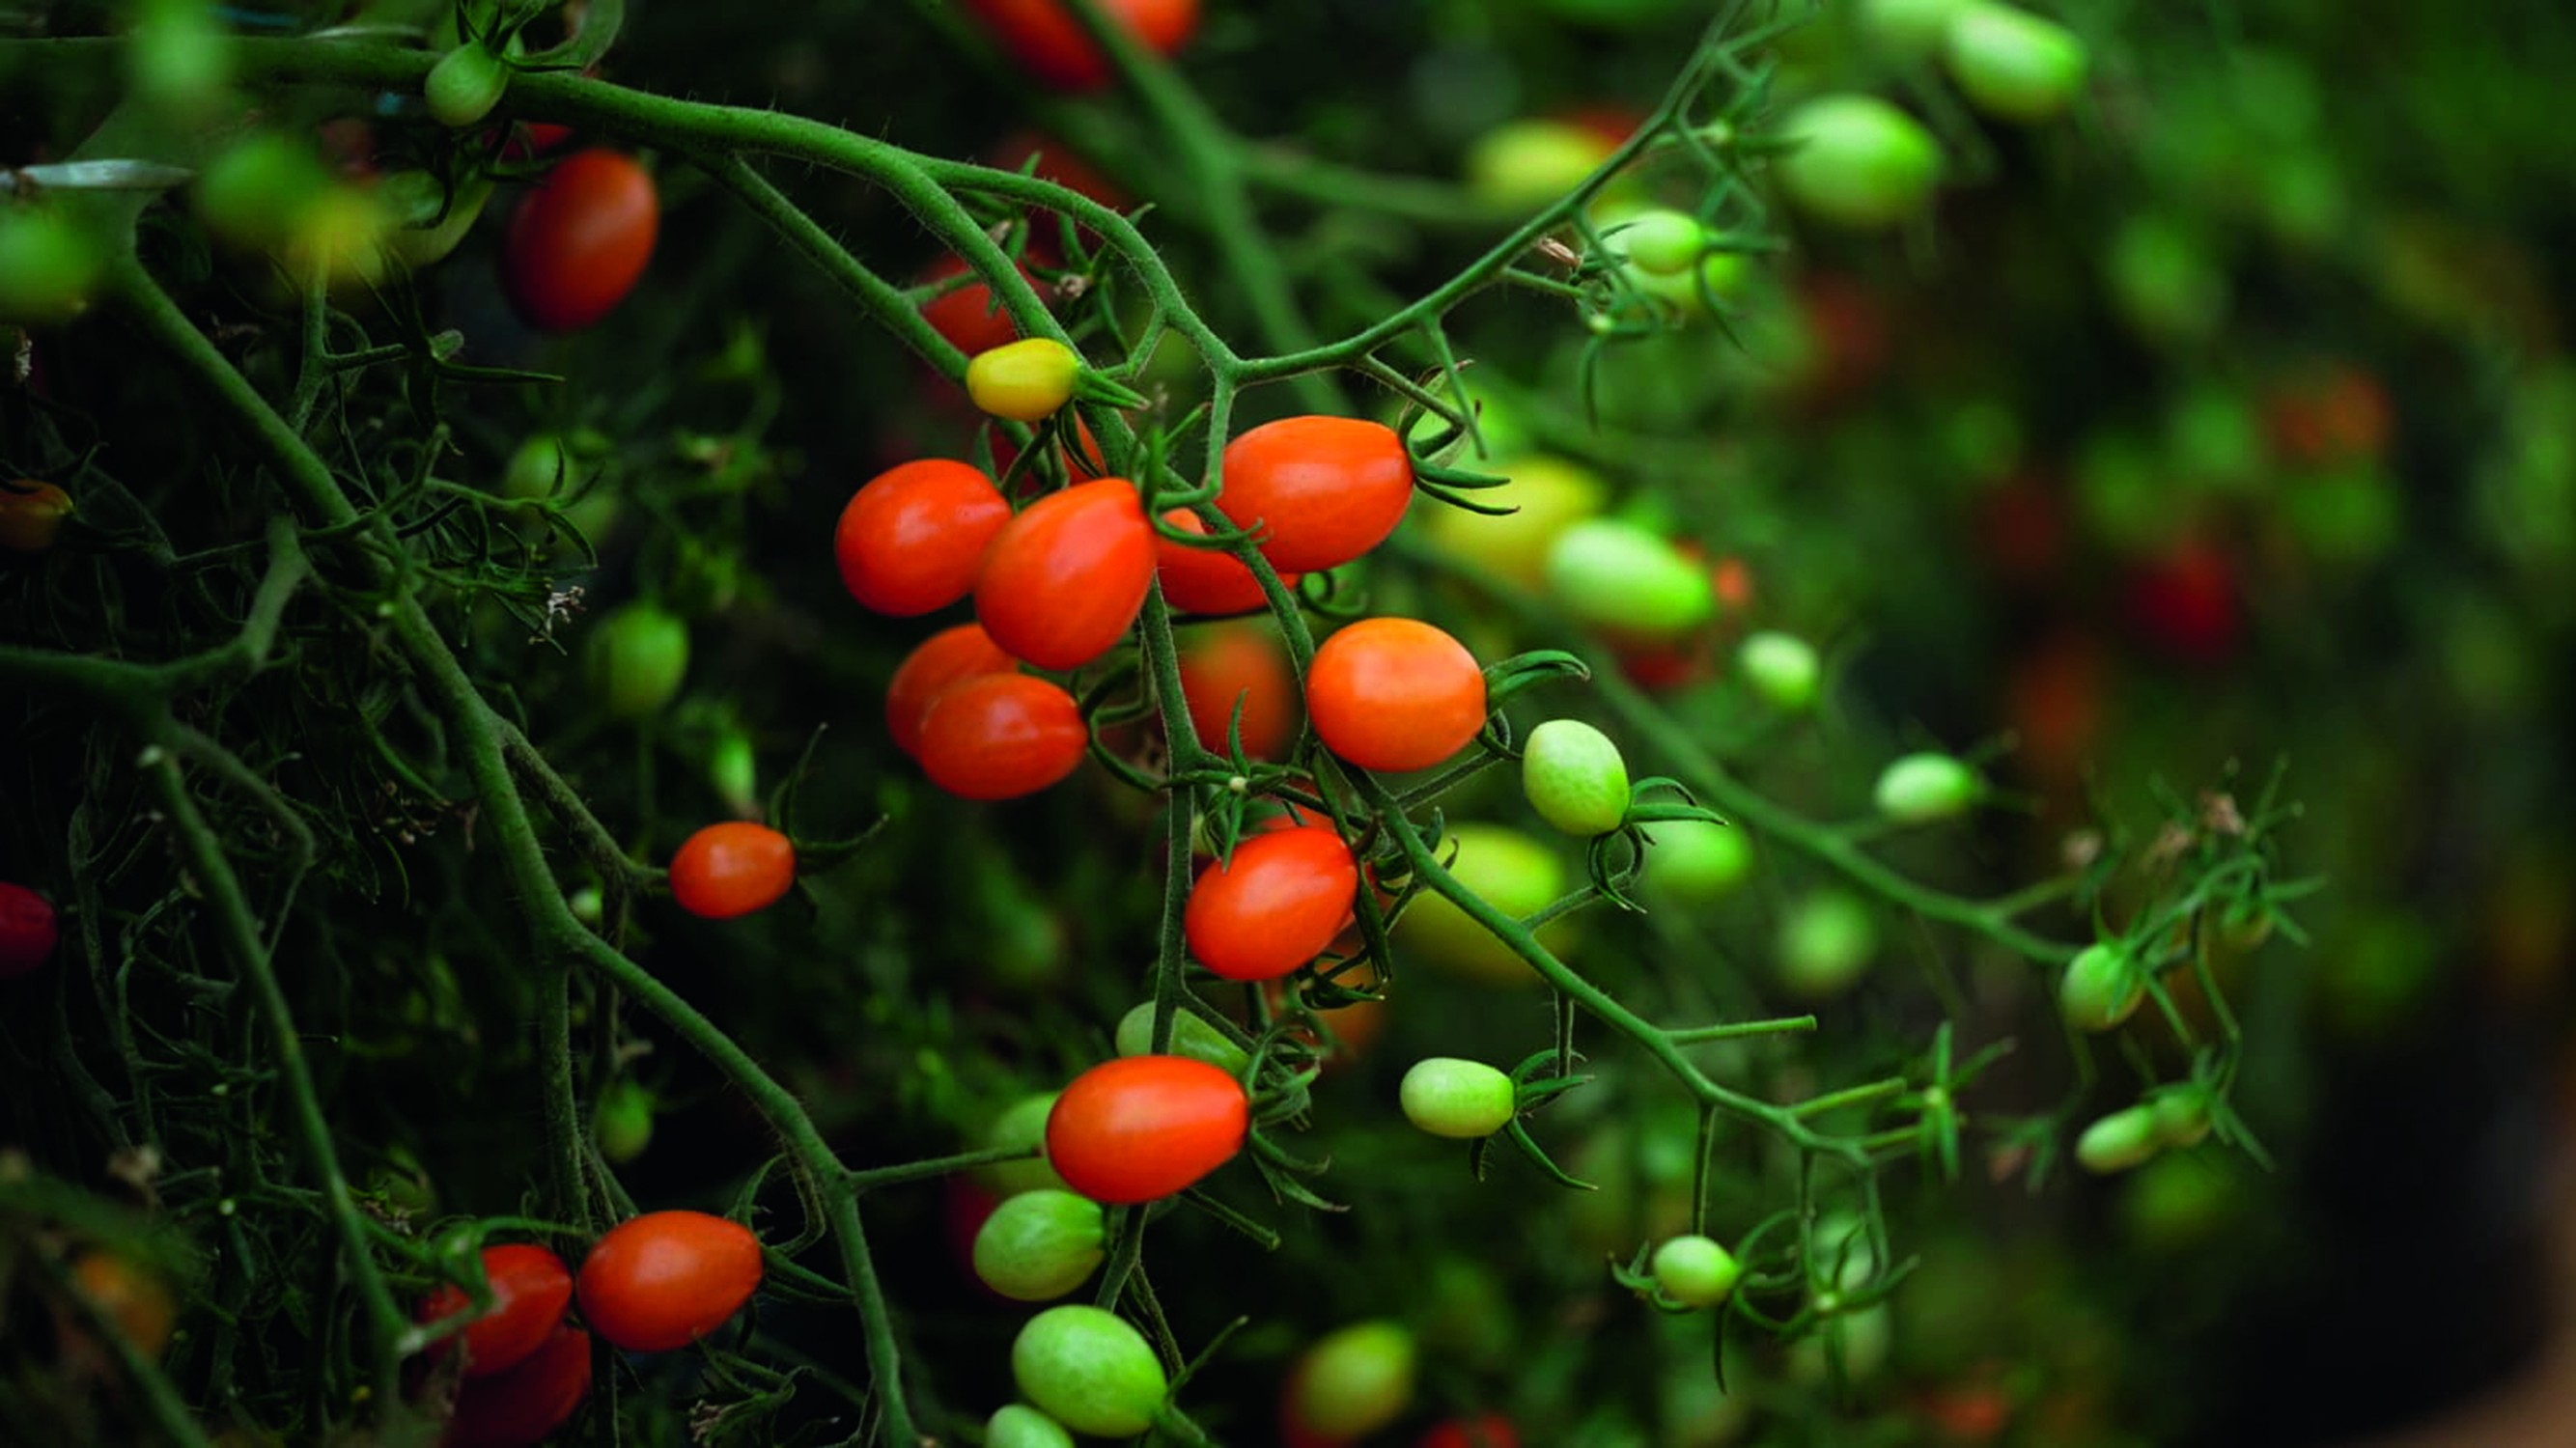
(465, 85)
(638, 656)
(1661, 242)
(1462, 1100)
(2101, 988)
(2013, 65)
(1917, 788)
(47, 266)
(2119, 1141)
(1510, 871)
(1695, 1271)
(1528, 163)
(2182, 1118)
(1191, 1037)
(1861, 1339)
(1040, 1245)
(1782, 668)
(733, 770)
(1021, 1124)
(1354, 1381)
(1025, 381)
(2164, 281)
(1860, 162)
(1826, 941)
(1724, 273)
(1017, 1425)
(1504, 431)
(1908, 30)
(623, 1120)
(1616, 575)
(253, 194)
(180, 57)
(1549, 495)
(1575, 778)
(1696, 862)
(1089, 1370)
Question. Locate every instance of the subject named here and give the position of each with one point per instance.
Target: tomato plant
(530, 1288)
(732, 868)
(579, 241)
(1395, 694)
(1140, 1128)
(1063, 580)
(1000, 736)
(913, 537)
(1274, 906)
(665, 1279)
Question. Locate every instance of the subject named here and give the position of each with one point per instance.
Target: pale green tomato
(1618, 576)
(1548, 495)
(1695, 862)
(1523, 165)
(1908, 30)
(1695, 1271)
(1782, 668)
(1917, 788)
(1463, 1100)
(2101, 988)
(639, 655)
(2182, 1118)
(1503, 431)
(1660, 242)
(2014, 65)
(1089, 1370)
(1722, 274)
(1575, 778)
(1191, 1037)
(1860, 162)
(1022, 1124)
(2119, 1141)
(1354, 1380)
(1017, 1425)
(1510, 871)
(1861, 1339)
(1826, 941)
(1040, 1245)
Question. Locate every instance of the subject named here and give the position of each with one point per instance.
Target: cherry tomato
(622, 1121)
(27, 929)
(48, 266)
(1022, 1124)
(2184, 605)
(1017, 1425)
(1782, 668)
(730, 868)
(578, 244)
(1275, 906)
(1353, 1381)
(1322, 490)
(1000, 736)
(1859, 162)
(531, 1287)
(1616, 575)
(1697, 862)
(1917, 788)
(1575, 778)
(1240, 660)
(1695, 1271)
(1395, 694)
(1490, 1430)
(2101, 989)
(131, 1296)
(1040, 1245)
(2012, 64)
(946, 658)
(1049, 43)
(32, 513)
(518, 1408)
(465, 85)
(2119, 1141)
(1203, 580)
(1140, 1128)
(1508, 870)
(913, 537)
(1827, 939)
(1065, 578)
(970, 317)
(1026, 381)
(1191, 1037)
(1461, 1099)
(1548, 495)
(1088, 1369)
(665, 1279)
(638, 657)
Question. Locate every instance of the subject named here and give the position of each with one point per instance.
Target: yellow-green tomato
(1021, 1124)
(2119, 1141)
(1354, 1381)
(1660, 242)
(1191, 1037)
(1528, 163)
(1460, 1099)
(1575, 778)
(1040, 1245)
(1722, 276)
(1510, 871)
(1859, 162)
(1088, 1369)
(1548, 495)
(2011, 64)
(1782, 668)
(1017, 1425)
(1616, 575)
(1025, 381)
(1917, 788)
(1695, 1271)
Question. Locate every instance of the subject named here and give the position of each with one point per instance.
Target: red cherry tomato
(946, 658)
(1203, 580)
(518, 1408)
(1239, 660)
(1395, 694)
(1049, 43)
(1275, 906)
(1325, 489)
(1488, 1430)
(1140, 1128)
(913, 536)
(665, 1279)
(578, 244)
(2184, 605)
(1066, 577)
(969, 317)
(731, 868)
(531, 1287)
(1000, 736)
(27, 929)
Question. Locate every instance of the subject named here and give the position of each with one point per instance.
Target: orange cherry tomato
(1275, 906)
(946, 658)
(579, 242)
(912, 538)
(531, 1287)
(1203, 580)
(1065, 578)
(133, 1296)
(1000, 736)
(1395, 694)
(732, 868)
(665, 1279)
(518, 1408)
(1049, 43)
(1140, 1128)
(1239, 660)
(1324, 489)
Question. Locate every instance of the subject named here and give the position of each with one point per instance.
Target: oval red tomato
(732, 868)
(27, 929)
(665, 1279)
(1203, 580)
(1140, 1128)
(531, 1287)
(1239, 660)
(1324, 489)
(518, 1408)
(913, 537)
(1049, 43)
(946, 658)
(579, 242)
(1000, 736)
(1395, 693)
(1273, 907)
(969, 317)
(1065, 578)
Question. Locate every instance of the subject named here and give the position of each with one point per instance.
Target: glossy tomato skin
(912, 537)
(1049, 43)
(27, 929)
(518, 1408)
(732, 868)
(1065, 578)
(946, 658)
(32, 513)
(1000, 736)
(1395, 694)
(1203, 580)
(1140, 1128)
(579, 242)
(531, 1287)
(1324, 489)
(665, 1279)
(1273, 907)
(1240, 660)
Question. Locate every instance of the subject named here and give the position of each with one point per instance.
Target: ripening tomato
(518, 1408)
(531, 1287)
(1000, 736)
(2184, 604)
(1353, 1381)
(578, 243)
(1029, 380)
(1395, 694)
(1140, 1128)
(27, 929)
(130, 1295)
(665, 1279)
(1322, 490)
(1065, 578)
(946, 658)
(730, 868)
(1049, 43)
(1240, 660)
(913, 536)
(1273, 907)
(970, 317)
(1204, 580)
(32, 513)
